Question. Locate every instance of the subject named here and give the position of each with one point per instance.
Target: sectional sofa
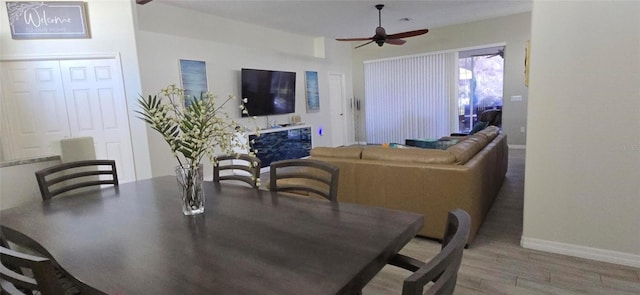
(431, 182)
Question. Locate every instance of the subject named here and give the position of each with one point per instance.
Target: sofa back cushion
(350, 152)
(490, 132)
(466, 149)
(480, 138)
(409, 155)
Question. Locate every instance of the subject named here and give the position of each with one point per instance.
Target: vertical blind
(410, 97)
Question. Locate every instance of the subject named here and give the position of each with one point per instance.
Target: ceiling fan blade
(395, 41)
(364, 44)
(408, 34)
(381, 36)
(354, 39)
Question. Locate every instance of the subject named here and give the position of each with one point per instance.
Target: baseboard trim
(581, 251)
(517, 146)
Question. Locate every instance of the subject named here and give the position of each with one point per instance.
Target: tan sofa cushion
(490, 132)
(409, 155)
(466, 149)
(480, 138)
(340, 152)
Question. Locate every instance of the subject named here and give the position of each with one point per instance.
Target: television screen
(268, 92)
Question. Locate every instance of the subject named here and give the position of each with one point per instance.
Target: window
(410, 97)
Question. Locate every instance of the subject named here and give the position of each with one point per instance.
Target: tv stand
(281, 143)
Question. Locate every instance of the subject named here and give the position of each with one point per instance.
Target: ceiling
(359, 18)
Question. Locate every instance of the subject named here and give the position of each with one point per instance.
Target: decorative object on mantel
(313, 96)
(192, 132)
(295, 120)
(48, 20)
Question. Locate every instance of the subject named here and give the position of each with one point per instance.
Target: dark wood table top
(134, 240)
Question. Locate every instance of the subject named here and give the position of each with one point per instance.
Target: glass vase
(190, 189)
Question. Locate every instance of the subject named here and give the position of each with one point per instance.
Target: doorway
(480, 84)
(338, 118)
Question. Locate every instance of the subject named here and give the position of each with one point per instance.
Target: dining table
(134, 239)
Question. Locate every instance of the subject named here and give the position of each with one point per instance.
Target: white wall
(228, 46)
(112, 32)
(582, 191)
(18, 183)
(513, 30)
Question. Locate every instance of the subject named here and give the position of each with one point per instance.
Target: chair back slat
(44, 277)
(66, 177)
(246, 164)
(305, 175)
(51, 181)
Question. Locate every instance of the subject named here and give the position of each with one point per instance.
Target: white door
(34, 107)
(96, 107)
(44, 101)
(338, 118)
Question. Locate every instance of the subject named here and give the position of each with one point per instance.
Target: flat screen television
(268, 92)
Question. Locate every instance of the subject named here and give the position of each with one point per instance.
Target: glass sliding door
(480, 84)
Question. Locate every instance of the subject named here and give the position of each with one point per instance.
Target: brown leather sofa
(432, 182)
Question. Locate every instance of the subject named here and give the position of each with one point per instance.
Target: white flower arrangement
(193, 127)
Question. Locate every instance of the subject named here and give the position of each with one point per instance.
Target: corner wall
(582, 189)
(513, 30)
(228, 46)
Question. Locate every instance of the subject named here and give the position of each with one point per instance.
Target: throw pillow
(478, 126)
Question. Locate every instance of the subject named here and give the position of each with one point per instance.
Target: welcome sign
(47, 20)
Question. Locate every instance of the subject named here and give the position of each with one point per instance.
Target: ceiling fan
(381, 36)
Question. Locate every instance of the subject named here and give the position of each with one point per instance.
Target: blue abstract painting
(193, 74)
(313, 96)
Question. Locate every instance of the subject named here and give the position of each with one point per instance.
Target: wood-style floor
(496, 264)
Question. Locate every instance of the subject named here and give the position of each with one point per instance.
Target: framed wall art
(193, 76)
(313, 96)
(48, 20)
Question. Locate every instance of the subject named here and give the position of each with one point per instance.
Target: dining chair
(44, 277)
(443, 268)
(53, 180)
(24, 271)
(305, 176)
(247, 166)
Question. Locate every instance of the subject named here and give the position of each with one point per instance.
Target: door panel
(97, 107)
(33, 101)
